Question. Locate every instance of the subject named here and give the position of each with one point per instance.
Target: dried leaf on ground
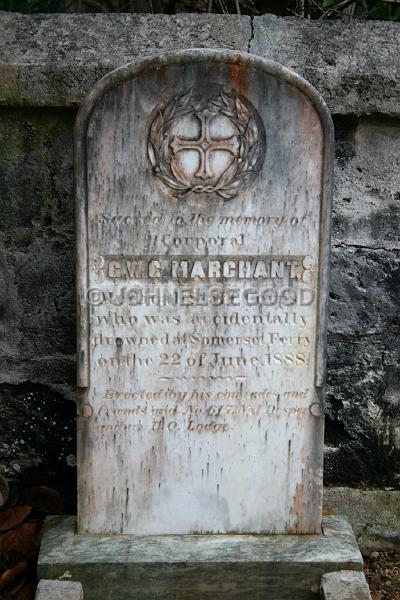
(12, 574)
(45, 499)
(13, 516)
(16, 587)
(27, 592)
(4, 490)
(382, 569)
(22, 539)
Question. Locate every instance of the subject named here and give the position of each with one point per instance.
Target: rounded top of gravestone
(204, 55)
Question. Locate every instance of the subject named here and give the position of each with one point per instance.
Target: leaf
(225, 195)
(247, 131)
(17, 586)
(22, 539)
(151, 151)
(242, 110)
(251, 133)
(233, 186)
(253, 155)
(13, 516)
(227, 113)
(184, 99)
(164, 148)
(45, 499)
(172, 183)
(225, 99)
(227, 175)
(12, 574)
(176, 107)
(4, 490)
(216, 102)
(27, 592)
(155, 126)
(169, 111)
(163, 168)
(242, 150)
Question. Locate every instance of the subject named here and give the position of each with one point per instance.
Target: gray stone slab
(281, 567)
(345, 585)
(355, 66)
(48, 60)
(49, 589)
(373, 514)
(54, 60)
(367, 208)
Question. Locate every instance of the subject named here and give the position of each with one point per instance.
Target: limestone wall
(47, 64)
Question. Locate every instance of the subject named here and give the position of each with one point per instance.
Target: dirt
(382, 570)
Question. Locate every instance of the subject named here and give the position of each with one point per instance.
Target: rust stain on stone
(240, 78)
(163, 76)
(297, 508)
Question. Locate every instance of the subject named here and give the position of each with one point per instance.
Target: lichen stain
(9, 93)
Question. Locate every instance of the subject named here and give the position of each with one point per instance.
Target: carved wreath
(161, 153)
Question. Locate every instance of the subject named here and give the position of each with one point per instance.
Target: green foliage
(385, 12)
(368, 9)
(32, 6)
(333, 9)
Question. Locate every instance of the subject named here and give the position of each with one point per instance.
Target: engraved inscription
(215, 267)
(168, 410)
(198, 220)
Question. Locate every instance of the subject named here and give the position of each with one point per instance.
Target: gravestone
(203, 188)
(203, 206)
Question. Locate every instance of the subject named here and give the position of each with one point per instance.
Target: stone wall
(47, 64)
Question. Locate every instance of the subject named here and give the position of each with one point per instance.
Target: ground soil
(382, 570)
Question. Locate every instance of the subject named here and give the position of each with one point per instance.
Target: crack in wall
(362, 247)
(251, 35)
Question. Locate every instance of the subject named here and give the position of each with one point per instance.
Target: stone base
(49, 589)
(345, 585)
(190, 567)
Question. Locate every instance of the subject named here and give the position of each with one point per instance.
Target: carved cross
(205, 144)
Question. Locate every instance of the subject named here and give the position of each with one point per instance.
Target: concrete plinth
(190, 567)
(345, 585)
(59, 590)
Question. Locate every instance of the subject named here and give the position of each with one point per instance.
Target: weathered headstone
(203, 212)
